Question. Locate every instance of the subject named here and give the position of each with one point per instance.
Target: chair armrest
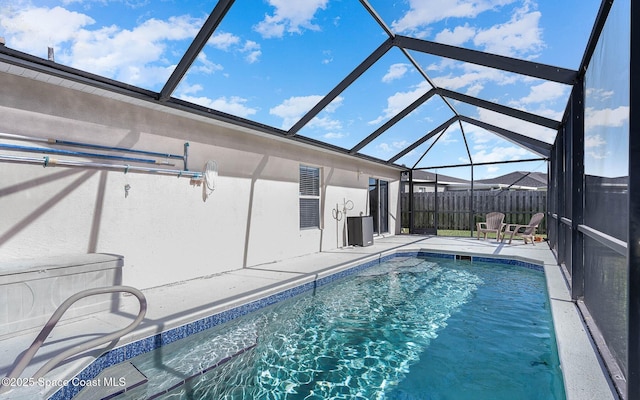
(513, 227)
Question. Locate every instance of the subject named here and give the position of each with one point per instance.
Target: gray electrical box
(360, 231)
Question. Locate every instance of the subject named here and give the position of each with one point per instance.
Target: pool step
(181, 382)
(181, 362)
(113, 382)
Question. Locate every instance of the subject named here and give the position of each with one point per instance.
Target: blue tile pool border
(133, 349)
(508, 261)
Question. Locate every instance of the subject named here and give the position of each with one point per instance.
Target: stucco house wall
(162, 227)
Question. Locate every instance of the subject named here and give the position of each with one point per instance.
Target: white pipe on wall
(51, 162)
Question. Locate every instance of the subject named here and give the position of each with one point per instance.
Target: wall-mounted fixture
(209, 177)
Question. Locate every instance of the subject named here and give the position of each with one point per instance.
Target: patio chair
(526, 232)
(494, 223)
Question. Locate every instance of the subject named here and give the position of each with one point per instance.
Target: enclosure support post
(411, 214)
(576, 136)
(435, 216)
(473, 209)
(633, 240)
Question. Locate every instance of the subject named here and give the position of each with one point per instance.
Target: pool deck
(180, 303)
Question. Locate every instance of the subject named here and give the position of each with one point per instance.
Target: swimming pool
(409, 328)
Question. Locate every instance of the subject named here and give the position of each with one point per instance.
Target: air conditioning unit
(360, 231)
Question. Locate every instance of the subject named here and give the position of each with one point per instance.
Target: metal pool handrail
(48, 327)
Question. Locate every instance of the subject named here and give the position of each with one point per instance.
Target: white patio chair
(494, 223)
(526, 232)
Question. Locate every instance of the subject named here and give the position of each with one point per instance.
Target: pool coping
(582, 369)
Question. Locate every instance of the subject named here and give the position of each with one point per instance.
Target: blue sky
(273, 60)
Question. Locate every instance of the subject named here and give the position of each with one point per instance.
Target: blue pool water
(410, 328)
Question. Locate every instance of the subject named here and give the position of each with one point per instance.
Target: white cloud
(544, 92)
(115, 52)
(475, 77)
(516, 125)
(400, 100)
(129, 3)
(520, 36)
(478, 136)
(137, 56)
(456, 82)
(396, 71)
(596, 147)
(547, 112)
(270, 27)
(223, 40)
(384, 147)
(593, 141)
(333, 135)
(425, 12)
(490, 171)
(233, 105)
(290, 17)
(205, 66)
(327, 124)
(186, 89)
(33, 29)
(459, 35)
(499, 153)
(252, 51)
(443, 65)
(450, 136)
(293, 108)
(599, 94)
(229, 42)
(393, 146)
(608, 117)
(328, 56)
(544, 98)
(598, 156)
(334, 105)
(475, 89)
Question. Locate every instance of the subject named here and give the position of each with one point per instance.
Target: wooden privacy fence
(454, 207)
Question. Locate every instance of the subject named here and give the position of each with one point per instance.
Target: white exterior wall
(163, 228)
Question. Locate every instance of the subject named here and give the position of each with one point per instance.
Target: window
(379, 204)
(309, 197)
